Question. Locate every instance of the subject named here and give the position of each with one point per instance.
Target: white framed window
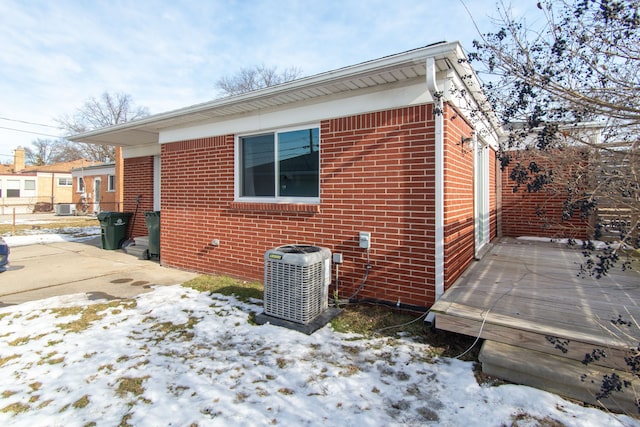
(13, 188)
(111, 183)
(80, 185)
(279, 166)
(30, 184)
(65, 182)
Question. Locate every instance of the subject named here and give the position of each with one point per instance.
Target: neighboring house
(27, 189)
(391, 147)
(94, 189)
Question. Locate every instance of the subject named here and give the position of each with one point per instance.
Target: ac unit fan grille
(294, 292)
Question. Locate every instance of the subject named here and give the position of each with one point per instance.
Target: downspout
(439, 180)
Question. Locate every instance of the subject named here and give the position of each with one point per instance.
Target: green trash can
(113, 228)
(153, 225)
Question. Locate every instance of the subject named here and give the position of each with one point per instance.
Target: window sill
(276, 207)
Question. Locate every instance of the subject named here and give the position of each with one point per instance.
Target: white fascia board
(93, 171)
(312, 112)
(459, 94)
(141, 151)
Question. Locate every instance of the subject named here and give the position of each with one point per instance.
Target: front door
(97, 190)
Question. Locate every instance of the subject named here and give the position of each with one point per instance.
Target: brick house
(94, 189)
(388, 146)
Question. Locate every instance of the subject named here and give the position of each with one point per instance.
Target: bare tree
(568, 93)
(258, 77)
(42, 152)
(49, 151)
(109, 109)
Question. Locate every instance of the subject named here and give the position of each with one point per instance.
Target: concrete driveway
(46, 270)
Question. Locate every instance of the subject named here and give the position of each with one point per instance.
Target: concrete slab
(54, 269)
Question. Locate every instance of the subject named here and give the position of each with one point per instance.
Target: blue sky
(55, 55)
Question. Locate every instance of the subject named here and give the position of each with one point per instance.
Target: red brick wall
(377, 175)
(138, 172)
(521, 212)
(107, 198)
(459, 238)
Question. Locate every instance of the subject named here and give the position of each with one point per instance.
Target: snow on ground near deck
(198, 361)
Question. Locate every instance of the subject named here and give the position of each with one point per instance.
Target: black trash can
(113, 229)
(153, 226)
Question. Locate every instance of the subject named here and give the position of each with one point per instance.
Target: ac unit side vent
(63, 209)
(296, 283)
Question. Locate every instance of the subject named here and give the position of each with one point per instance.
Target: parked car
(4, 255)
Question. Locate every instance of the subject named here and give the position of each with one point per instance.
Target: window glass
(280, 165)
(64, 182)
(299, 161)
(30, 184)
(111, 185)
(258, 166)
(80, 184)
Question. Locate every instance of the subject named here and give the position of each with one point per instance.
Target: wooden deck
(539, 319)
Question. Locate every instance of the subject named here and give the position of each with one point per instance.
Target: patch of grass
(67, 311)
(82, 402)
(91, 314)
(6, 359)
(349, 370)
(50, 359)
(523, 419)
(224, 285)
(24, 340)
(131, 385)
(378, 320)
(369, 319)
(54, 226)
(45, 404)
(125, 421)
(182, 331)
(35, 386)
(16, 408)
(7, 393)
(3, 315)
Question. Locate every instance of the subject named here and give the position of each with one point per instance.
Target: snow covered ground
(179, 357)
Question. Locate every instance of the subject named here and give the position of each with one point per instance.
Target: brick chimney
(18, 159)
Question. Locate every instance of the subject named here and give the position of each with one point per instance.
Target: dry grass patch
(82, 402)
(24, 340)
(90, 314)
(131, 385)
(243, 290)
(7, 393)
(371, 320)
(4, 360)
(56, 226)
(16, 408)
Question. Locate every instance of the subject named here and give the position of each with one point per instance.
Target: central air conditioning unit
(63, 209)
(296, 282)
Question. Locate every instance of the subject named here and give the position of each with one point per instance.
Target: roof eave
(146, 130)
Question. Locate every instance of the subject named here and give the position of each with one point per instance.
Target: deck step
(559, 375)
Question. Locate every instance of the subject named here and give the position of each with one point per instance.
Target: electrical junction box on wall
(365, 240)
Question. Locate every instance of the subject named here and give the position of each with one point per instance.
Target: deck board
(533, 287)
(539, 319)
